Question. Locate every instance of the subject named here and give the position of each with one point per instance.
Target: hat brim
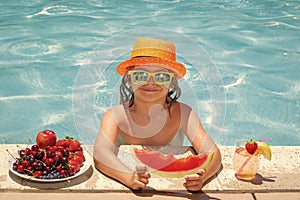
(178, 68)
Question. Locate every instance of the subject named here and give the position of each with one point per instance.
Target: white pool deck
(277, 179)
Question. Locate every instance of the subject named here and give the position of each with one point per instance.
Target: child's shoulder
(115, 111)
(183, 106)
(180, 108)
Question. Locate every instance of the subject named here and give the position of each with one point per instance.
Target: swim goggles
(141, 77)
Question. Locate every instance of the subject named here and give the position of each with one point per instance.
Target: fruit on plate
(168, 165)
(48, 160)
(45, 138)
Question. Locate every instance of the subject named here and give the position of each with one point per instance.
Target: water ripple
(52, 10)
(239, 81)
(44, 96)
(32, 47)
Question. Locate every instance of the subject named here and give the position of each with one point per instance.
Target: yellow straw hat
(154, 52)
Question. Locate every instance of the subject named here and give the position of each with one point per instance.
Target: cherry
(48, 169)
(44, 158)
(57, 158)
(17, 162)
(40, 155)
(63, 172)
(53, 148)
(58, 168)
(20, 169)
(58, 153)
(50, 153)
(71, 171)
(65, 153)
(27, 151)
(64, 160)
(37, 165)
(25, 163)
(30, 168)
(37, 174)
(33, 153)
(22, 153)
(49, 161)
(34, 147)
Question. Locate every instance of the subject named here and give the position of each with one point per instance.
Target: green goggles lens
(140, 77)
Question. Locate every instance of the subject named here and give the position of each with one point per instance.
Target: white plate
(86, 165)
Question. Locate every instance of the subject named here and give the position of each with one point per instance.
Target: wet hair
(127, 93)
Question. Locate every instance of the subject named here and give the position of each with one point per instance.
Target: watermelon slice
(170, 167)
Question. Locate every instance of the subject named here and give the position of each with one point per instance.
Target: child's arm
(202, 143)
(106, 160)
(195, 182)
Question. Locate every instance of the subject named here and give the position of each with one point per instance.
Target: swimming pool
(253, 46)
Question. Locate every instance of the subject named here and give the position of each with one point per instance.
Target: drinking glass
(245, 165)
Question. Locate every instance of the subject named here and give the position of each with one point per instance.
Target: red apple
(46, 138)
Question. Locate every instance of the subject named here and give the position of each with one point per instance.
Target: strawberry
(74, 146)
(74, 164)
(78, 159)
(62, 143)
(251, 146)
(79, 153)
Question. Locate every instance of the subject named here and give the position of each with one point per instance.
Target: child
(150, 114)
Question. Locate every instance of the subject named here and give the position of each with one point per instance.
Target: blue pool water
(243, 61)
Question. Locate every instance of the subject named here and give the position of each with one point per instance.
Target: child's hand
(194, 182)
(140, 178)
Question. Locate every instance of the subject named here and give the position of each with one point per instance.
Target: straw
(265, 139)
(244, 164)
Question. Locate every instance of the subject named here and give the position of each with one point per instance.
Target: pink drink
(244, 164)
